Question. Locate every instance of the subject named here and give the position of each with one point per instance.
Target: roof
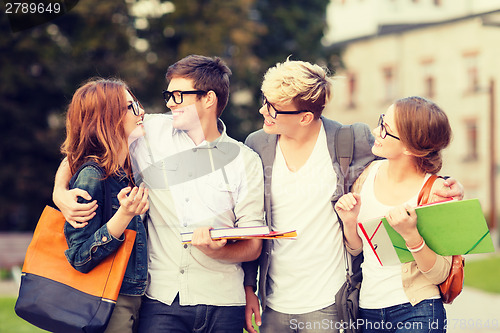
(389, 29)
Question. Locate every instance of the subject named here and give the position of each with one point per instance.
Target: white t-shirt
(382, 286)
(305, 273)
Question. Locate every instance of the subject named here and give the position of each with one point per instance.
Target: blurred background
(379, 50)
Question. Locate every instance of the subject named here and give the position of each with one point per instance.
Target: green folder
(449, 228)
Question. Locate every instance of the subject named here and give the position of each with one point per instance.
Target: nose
(170, 103)
(263, 109)
(141, 111)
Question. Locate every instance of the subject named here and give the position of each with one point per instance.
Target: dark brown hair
(207, 74)
(424, 129)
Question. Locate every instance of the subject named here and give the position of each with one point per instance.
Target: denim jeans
(426, 316)
(159, 317)
(319, 321)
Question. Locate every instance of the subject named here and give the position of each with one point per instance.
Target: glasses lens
(271, 110)
(166, 95)
(383, 132)
(135, 108)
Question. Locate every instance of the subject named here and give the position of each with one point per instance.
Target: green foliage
(44, 65)
(483, 274)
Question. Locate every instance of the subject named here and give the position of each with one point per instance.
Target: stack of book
(260, 232)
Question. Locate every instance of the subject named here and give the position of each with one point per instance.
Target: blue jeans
(320, 321)
(426, 316)
(159, 317)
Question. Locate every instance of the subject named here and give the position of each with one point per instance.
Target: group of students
(181, 172)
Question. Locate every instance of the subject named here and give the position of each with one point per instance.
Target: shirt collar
(217, 143)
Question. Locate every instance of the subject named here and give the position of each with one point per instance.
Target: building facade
(455, 61)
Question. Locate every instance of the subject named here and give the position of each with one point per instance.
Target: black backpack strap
(344, 150)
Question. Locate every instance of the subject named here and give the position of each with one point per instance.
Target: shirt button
(185, 246)
(182, 271)
(104, 238)
(413, 300)
(194, 150)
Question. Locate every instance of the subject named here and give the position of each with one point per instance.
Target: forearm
(61, 181)
(425, 257)
(118, 223)
(352, 238)
(239, 251)
(63, 175)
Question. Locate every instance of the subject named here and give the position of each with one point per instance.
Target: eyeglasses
(383, 129)
(273, 113)
(135, 107)
(178, 95)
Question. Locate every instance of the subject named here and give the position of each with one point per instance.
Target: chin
(376, 151)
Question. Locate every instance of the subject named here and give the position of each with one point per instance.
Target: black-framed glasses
(273, 113)
(178, 95)
(135, 107)
(383, 129)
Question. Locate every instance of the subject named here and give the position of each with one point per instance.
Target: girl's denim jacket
(89, 245)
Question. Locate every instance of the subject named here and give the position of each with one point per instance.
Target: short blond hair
(307, 86)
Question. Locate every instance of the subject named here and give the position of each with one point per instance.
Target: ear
(211, 99)
(407, 152)
(307, 119)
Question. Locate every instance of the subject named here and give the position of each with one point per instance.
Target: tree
(44, 65)
(41, 68)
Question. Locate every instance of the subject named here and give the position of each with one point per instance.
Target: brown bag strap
(423, 196)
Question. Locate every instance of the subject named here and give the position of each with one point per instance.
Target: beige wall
(446, 47)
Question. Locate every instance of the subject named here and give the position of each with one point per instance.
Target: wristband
(416, 248)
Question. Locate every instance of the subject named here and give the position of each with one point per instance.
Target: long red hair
(94, 126)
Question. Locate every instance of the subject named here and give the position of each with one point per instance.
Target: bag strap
(344, 151)
(423, 195)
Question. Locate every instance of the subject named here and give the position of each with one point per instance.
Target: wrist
(417, 247)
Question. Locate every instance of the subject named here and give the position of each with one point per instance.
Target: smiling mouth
(139, 123)
(268, 123)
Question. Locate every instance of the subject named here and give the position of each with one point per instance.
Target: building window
(471, 146)
(351, 91)
(389, 84)
(472, 72)
(428, 78)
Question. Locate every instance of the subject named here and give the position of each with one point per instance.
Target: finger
(450, 181)
(248, 319)
(411, 211)
(258, 320)
(82, 209)
(140, 192)
(77, 192)
(84, 219)
(144, 204)
(133, 193)
(77, 225)
(122, 195)
(220, 242)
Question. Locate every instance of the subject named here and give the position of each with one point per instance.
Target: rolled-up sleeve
(440, 271)
(90, 245)
(249, 207)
